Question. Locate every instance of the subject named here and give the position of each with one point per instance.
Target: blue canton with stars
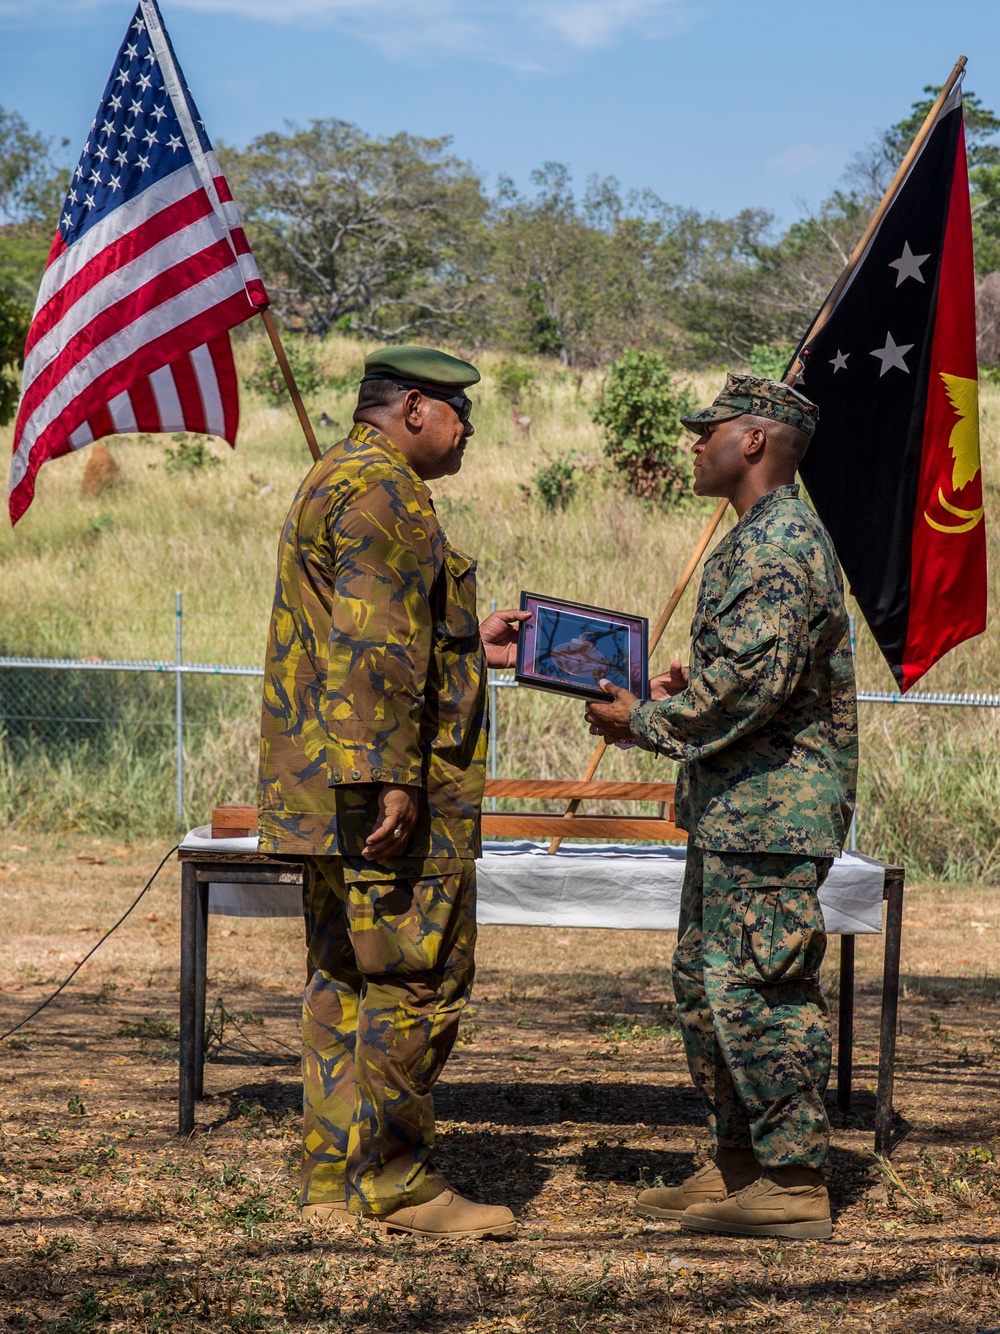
(134, 141)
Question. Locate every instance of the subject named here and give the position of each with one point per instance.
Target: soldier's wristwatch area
(636, 718)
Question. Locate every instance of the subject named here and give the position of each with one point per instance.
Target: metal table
(200, 869)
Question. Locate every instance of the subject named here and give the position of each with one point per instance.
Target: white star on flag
(839, 362)
(908, 265)
(892, 355)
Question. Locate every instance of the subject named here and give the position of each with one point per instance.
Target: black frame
(637, 625)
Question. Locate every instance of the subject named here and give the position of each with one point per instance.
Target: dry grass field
(95, 577)
(568, 1088)
(567, 1091)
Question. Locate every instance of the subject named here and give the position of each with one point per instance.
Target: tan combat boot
(731, 1171)
(449, 1216)
(785, 1202)
(323, 1213)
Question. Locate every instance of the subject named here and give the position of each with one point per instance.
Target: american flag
(148, 272)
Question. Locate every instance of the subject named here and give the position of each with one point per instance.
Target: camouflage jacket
(766, 730)
(375, 670)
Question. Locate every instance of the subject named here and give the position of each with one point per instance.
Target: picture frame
(567, 647)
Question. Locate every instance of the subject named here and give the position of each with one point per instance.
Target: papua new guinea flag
(893, 468)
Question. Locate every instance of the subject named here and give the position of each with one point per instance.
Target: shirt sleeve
(386, 558)
(763, 632)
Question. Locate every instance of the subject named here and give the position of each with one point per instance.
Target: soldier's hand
(499, 636)
(611, 720)
(669, 683)
(397, 809)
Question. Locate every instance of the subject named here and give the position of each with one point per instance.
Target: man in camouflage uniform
(373, 741)
(764, 726)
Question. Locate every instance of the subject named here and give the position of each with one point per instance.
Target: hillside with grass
(95, 577)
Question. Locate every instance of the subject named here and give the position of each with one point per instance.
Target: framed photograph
(568, 648)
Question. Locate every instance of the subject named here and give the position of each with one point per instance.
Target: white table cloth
(584, 884)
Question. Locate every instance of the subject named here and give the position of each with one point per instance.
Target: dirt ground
(567, 1092)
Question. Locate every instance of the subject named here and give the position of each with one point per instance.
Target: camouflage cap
(758, 397)
(426, 365)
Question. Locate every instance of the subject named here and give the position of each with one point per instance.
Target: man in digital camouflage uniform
(373, 742)
(765, 728)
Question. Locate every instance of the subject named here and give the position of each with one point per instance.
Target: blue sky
(716, 104)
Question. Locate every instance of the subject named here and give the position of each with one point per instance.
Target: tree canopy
(396, 238)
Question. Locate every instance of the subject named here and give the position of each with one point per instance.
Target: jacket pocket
(459, 574)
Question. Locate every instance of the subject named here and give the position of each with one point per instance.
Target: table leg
(188, 1014)
(845, 1024)
(200, 969)
(890, 1007)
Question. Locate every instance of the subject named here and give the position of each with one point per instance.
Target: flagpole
(290, 385)
(826, 310)
(837, 291)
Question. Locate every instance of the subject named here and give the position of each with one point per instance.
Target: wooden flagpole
(826, 310)
(290, 385)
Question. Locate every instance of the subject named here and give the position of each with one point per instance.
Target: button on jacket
(766, 731)
(375, 669)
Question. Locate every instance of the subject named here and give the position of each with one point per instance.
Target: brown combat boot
(785, 1202)
(731, 1171)
(448, 1216)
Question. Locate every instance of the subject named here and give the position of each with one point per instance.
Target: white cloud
(521, 34)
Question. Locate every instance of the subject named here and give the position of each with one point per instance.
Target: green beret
(407, 361)
(758, 397)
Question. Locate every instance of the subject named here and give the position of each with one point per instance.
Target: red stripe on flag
(225, 372)
(100, 422)
(144, 405)
(192, 404)
(948, 573)
(222, 186)
(57, 248)
(192, 208)
(204, 328)
(163, 286)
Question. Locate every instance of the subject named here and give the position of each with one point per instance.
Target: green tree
(640, 411)
(582, 278)
(32, 189)
(14, 319)
(380, 236)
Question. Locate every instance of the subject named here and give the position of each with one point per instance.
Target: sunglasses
(460, 402)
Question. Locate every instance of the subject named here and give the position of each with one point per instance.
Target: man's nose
(469, 429)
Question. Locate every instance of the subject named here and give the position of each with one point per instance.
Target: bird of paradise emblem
(963, 395)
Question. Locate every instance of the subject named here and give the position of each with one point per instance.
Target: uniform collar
(364, 434)
(789, 492)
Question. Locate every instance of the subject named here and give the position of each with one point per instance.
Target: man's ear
(753, 443)
(413, 408)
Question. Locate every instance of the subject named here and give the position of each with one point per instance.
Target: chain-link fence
(136, 748)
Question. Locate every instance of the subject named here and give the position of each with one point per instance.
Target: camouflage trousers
(390, 966)
(755, 1024)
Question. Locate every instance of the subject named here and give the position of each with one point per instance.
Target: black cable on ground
(48, 1000)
